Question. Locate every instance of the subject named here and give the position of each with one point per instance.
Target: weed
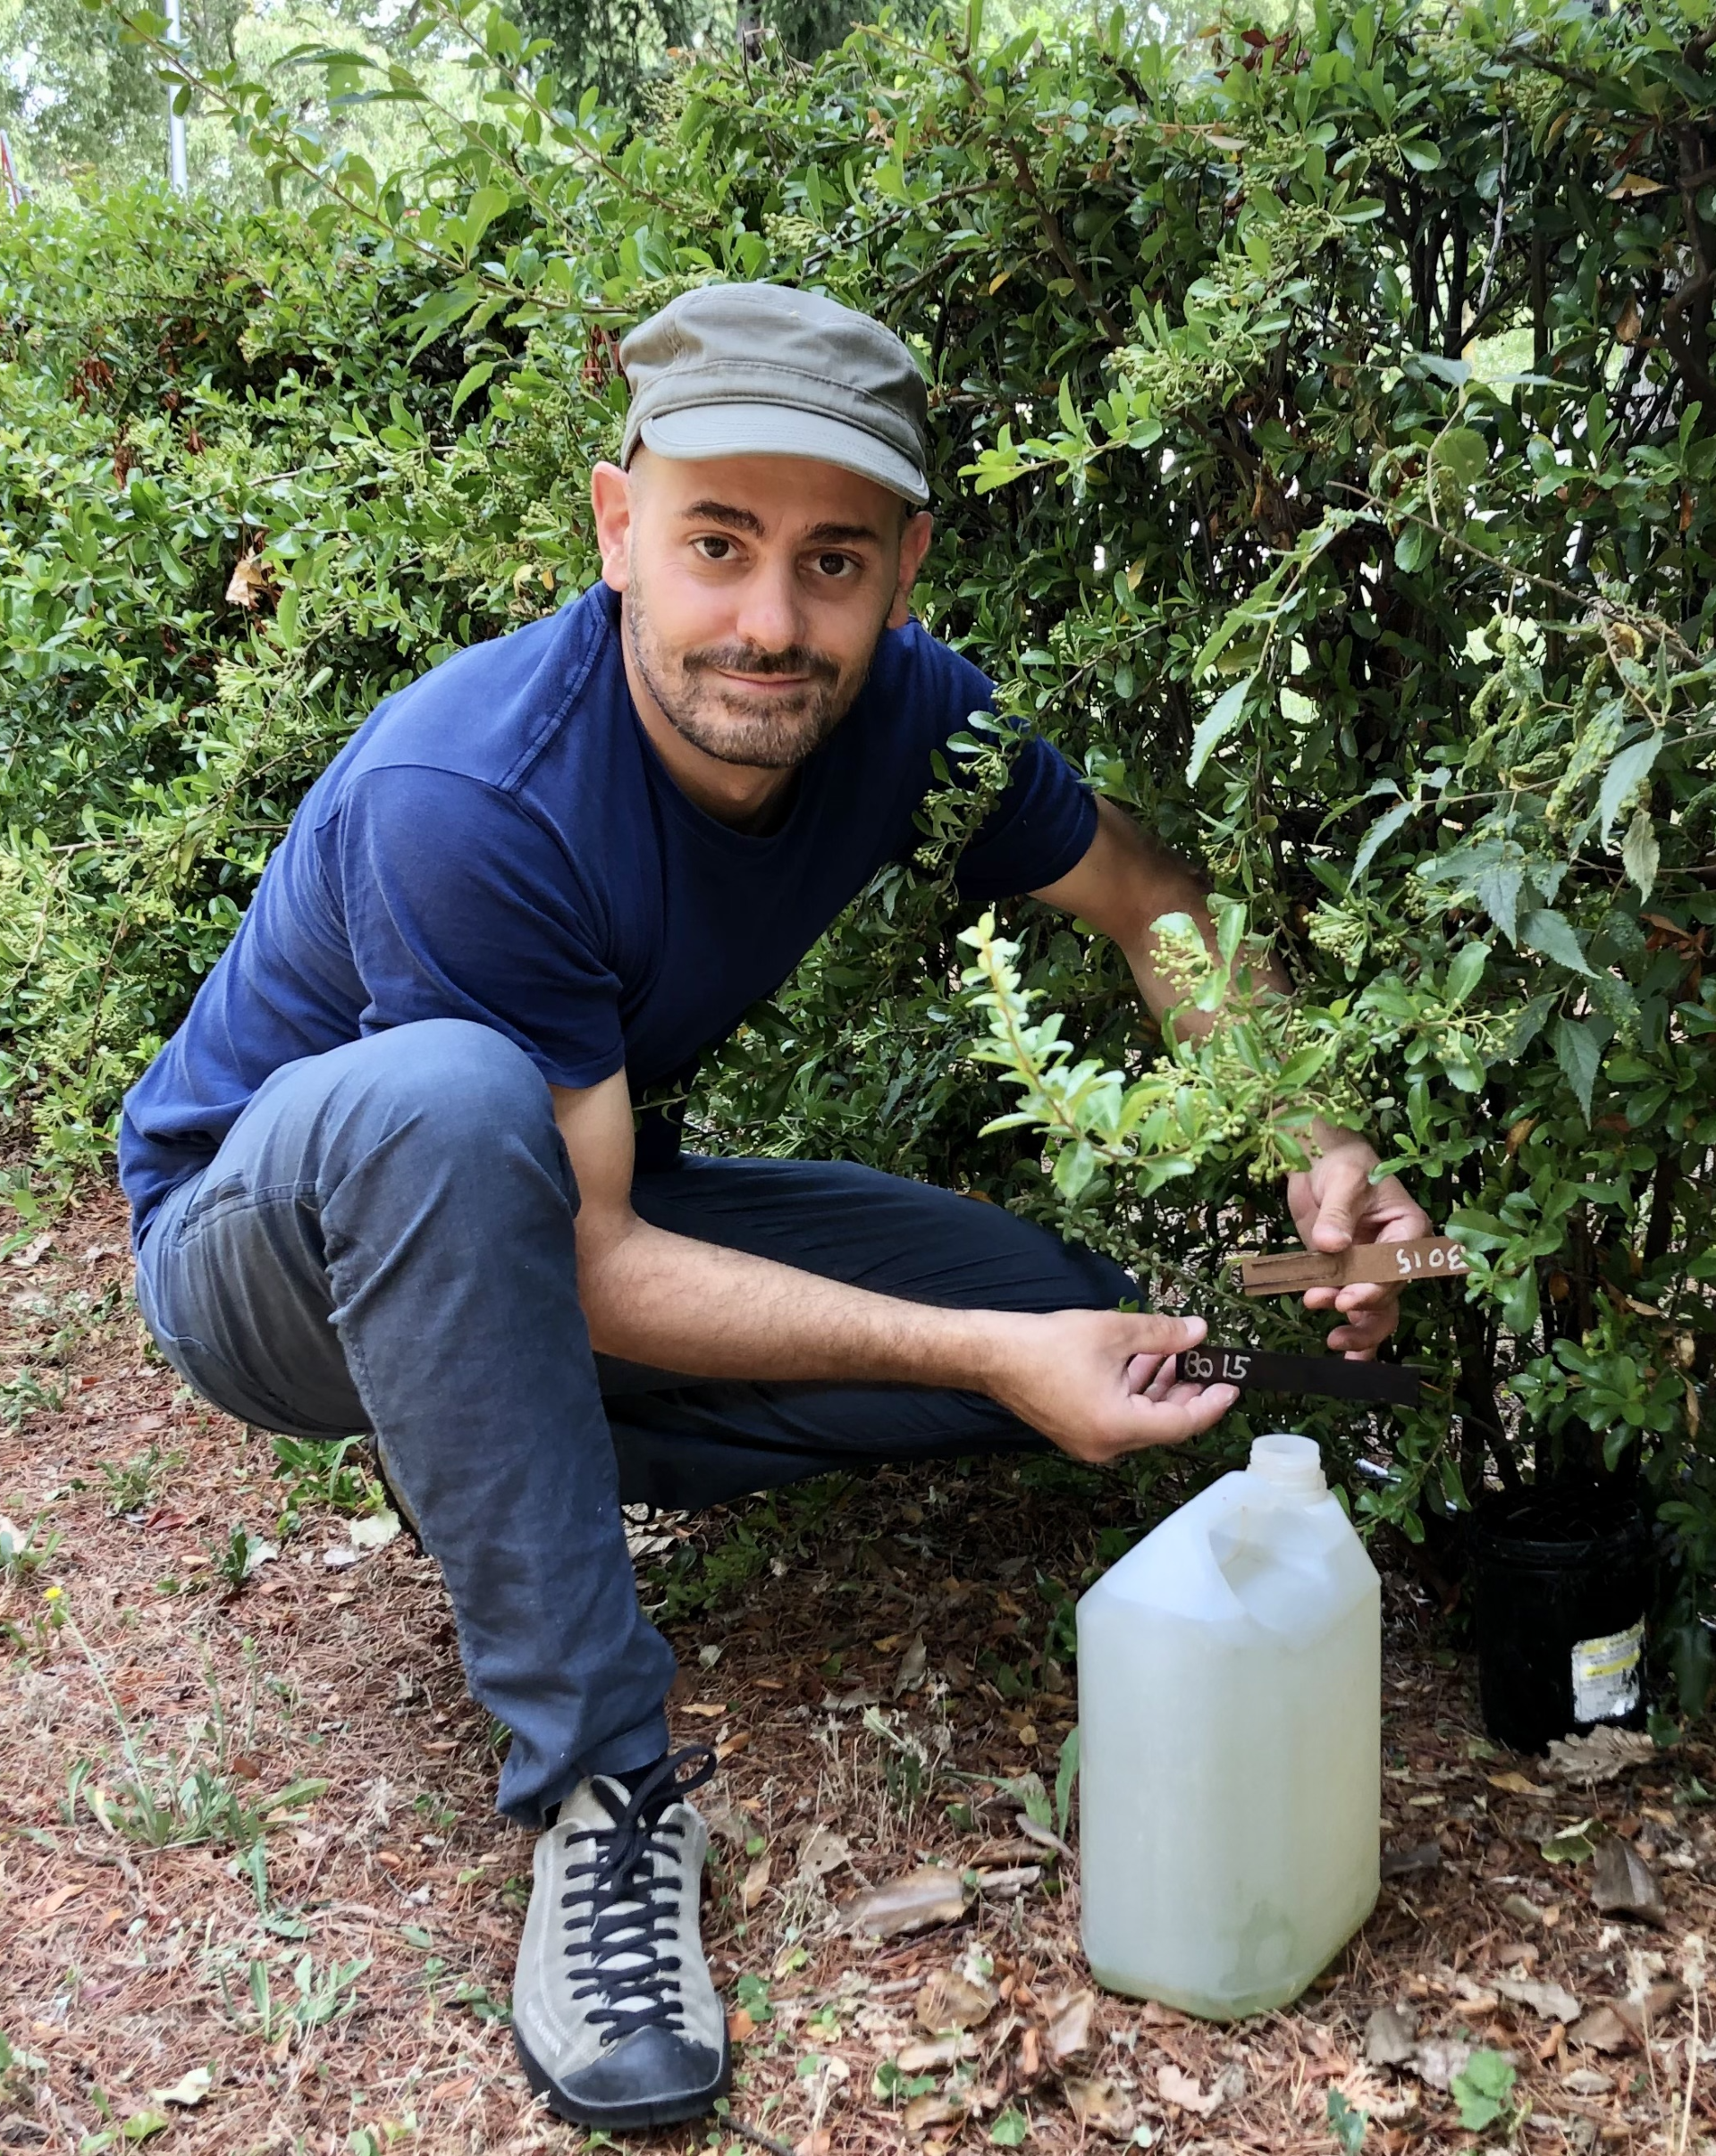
(1065, 1781)
(478, 1998)
(765, 1536)
(165, 1803)
(1482, 2089)
(319, 1473)
(140, 1482)
(751, 1994)
(313, 2000)
(23, 1552)
(1346, 2124)
(891, 2083)
(236, 1558)
(26, 1394)
(909, 1760)
(16, 2067)
(44, 1622)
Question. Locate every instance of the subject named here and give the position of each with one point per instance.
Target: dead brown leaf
(932, 1894)
(1072, 2031)
(823, 1851)
(1602, 2030)
(39, 1912)
(249, 583)
(1600, 1755)
(1623, 1884)
(1391, 2036)
(914, 1667)
(1177, 2087)
(952, 2000)
(1552, 2001)
(756, 1883)
(925, 2111)
(1516, 1784)
(932, 2057)
(1101, 2107)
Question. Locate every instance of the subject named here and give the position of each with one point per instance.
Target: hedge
(1323, 424)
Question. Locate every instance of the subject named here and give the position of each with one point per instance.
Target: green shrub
(1325, 430)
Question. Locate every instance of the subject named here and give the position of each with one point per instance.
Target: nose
(770, 617)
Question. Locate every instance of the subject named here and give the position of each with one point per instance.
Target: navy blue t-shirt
(500, 842)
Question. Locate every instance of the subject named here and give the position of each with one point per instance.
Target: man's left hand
(1334, 1205)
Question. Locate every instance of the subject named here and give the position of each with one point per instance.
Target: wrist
(986, 1350)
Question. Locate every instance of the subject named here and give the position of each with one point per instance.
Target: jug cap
(1294, 1464)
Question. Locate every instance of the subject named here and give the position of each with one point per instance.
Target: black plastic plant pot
(1561, 1586)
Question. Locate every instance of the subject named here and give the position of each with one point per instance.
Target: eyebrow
(744, 520)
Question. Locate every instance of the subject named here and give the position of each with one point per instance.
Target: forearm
(678, 1304)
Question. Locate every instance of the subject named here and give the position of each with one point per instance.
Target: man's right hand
(1100, 1383)
(1096, 1383)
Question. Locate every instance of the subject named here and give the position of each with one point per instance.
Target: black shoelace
(627, 1912)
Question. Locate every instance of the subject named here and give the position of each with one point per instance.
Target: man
(386, 1175)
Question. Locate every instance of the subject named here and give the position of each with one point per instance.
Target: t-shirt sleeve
(1043, 824)
(459, 904)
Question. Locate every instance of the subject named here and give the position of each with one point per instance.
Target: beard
(717, 716)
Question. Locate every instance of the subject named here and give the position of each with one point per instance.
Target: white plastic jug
(1230, 1719)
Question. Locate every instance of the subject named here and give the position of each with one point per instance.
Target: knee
(460, 1080)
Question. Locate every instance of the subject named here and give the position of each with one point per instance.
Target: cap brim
(782, 430)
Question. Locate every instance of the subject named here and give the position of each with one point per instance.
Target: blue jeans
(385, 1242)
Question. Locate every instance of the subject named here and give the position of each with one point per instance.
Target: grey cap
(761, 370)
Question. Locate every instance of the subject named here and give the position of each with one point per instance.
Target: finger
(1321, 1299)
(1148, 1333)
(1143, 1370)
(1366, 1295)
(1346, 1187)
(1182, 1412)
(1362, 1339)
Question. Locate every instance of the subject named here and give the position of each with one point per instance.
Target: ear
(915, 544)
(610, 498)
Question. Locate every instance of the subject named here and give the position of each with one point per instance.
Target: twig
(1500, 212)
(756, 2136)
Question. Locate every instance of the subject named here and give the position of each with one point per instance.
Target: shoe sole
(672, 2111)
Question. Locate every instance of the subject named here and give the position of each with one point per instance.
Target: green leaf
(486, 204)
(1580, 1044)
(1010, 2130)
(1640, 856)
(472, 380)
(1346, 2124)
(1571, 1845)
(1413, 548)
(1461, 453)
(1066, 1776)
(1379, 834)
(1466, 972)
(1497, 891)
(1628, 769)
(1221, 719)
(1554, 935)
(1481, 2090)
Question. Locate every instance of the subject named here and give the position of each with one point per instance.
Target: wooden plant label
(1388, 1264)
(1328, 1377)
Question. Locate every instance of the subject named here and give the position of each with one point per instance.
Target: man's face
(755, 589)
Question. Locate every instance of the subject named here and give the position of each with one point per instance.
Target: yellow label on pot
(1606, 1674)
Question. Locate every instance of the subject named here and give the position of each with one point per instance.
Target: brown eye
(835, 565)
(714, 547)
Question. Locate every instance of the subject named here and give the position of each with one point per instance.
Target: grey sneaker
(615, 2017)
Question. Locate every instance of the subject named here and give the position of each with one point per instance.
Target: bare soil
(877, 1661)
